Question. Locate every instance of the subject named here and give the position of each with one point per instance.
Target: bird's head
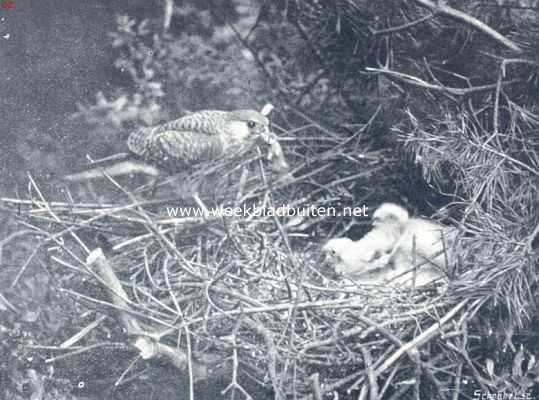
(244, 125)
(352, 259)
(250, 125)
(334, 250)
(390, 214)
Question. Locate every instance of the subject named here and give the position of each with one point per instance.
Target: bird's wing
(180, 149)
(184, 141)
(205, 122)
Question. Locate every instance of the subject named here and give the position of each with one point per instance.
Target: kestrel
(192, 145)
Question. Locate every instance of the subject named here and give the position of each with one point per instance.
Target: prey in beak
(275, 156)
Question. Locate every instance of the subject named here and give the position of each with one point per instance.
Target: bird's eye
(332, 252)
(251, 124)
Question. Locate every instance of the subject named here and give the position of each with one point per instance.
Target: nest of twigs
(247, 296)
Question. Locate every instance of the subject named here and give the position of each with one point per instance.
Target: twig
(49, 209)
(144, 342)
(315, 384)
(82, 333)
(413, 80)
(442, 8)
(421, 339)
(532, 238)
(167, 14)
(373, 385)
(97, 259)
(234, 384)
(401, 27)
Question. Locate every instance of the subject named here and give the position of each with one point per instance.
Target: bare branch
(440, 7)
(413, 80)
(402, 27)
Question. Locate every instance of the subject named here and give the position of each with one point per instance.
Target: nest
(247, 296)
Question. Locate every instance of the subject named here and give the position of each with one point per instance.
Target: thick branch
(145, 341)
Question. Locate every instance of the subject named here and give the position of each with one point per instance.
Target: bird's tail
(117, 169)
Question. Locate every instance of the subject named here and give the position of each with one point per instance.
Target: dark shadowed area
(54, 54)
(52, 59)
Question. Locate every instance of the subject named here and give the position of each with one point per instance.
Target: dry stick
(55, 204)
(399, 394)
(334, 304)
(235, 364)
(413, 80)
(97, 259)
(412, 353)
(458, 377)
(332, 340)
(78, 350)
(38, 247)
(5, 303)
(343, 381)
(24, 266)
(168, 12)
(442, 8)
(532, 238)
(272, 355)
(82, 333)
(291, 258)
(150, 224)
(126, 371)
(496, 112)
(315, 383)
(109, 211)
(367, 359)
(507, 157)
(73, 234)
(421, 339)
(356, 331)
(388, 381)
(186, 329)
(61, 245)
(256, 191)
(311, 121)
(401, 27)
(147, 346)
(130, 311)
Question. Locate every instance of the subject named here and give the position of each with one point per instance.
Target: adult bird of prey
(192, 144)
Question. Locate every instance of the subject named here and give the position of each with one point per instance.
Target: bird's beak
(267, 135)
(332, 264)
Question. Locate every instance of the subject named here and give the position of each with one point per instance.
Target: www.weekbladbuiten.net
(258, 211)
